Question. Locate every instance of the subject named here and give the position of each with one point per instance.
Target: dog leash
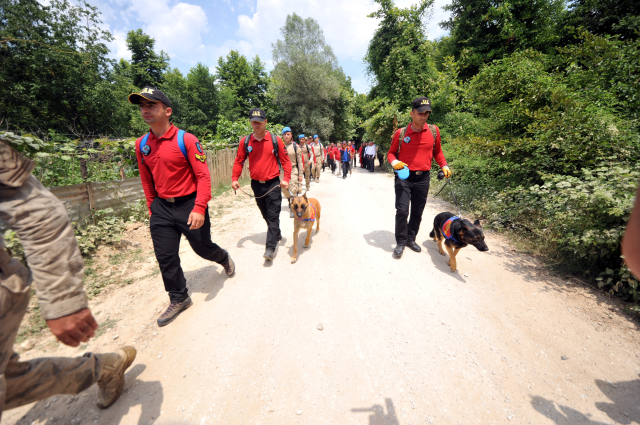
(258, 197)
(453, 194)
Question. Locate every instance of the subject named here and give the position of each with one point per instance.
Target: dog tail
(432, 234)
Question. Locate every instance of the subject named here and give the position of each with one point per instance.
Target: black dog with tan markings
(306, 212)
(456, 233)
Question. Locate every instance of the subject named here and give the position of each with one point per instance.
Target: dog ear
(477, 223)
(305, 196)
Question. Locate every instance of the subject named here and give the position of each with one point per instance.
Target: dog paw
(306, 246)
(442, 253)
(293, 260)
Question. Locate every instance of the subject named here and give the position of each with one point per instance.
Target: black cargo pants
(269, 206)
(167, 224)
(414, 191)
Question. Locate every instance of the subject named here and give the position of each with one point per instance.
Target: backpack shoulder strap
(181, 145)
(144, 141)
(403, 131)
(246, 146)
(434, 132)
(274, 140)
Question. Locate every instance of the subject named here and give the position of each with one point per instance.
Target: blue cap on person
(315, 137)
(300, 136)
(286, 129)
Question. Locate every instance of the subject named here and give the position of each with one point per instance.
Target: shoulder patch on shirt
(407, 139)
(250, 148)
(199, 147)
(146, 150)
(201, 158)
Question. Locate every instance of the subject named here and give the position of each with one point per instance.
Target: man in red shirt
(265, 174)
(416, 150)
(177, 187)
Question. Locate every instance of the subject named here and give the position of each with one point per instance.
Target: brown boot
(111, 381)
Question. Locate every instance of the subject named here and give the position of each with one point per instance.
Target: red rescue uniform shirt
(165, 172)
(262, 162)
(417, 149)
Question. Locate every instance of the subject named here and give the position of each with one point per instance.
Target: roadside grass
(105, 326)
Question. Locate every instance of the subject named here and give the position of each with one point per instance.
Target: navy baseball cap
(286, 129)
(421, 104)
(257, 114)
(151, 94)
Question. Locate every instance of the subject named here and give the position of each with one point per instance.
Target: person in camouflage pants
(297, 166)
(320, 156)
(56, 270)
(308, 158)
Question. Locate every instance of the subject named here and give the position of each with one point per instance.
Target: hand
(75, 328)
(285, 185)
(235, 185)
(399, 165)
(446, 171)
(299, 179)
(196, 220)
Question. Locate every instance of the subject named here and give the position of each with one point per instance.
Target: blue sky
(193, 31)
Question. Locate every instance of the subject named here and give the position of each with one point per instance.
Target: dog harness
(313, 215)
(446, 228)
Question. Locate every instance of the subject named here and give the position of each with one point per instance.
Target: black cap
(150, 93)
(257, 114)
(421, 104)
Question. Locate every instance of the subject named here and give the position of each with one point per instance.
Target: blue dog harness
(145, 150)
(446, 229)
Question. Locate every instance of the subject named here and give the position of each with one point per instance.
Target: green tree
(483, 31)
(243, 85)
(399, 57)
(605, 17)
(147, 66)
(53, 65)
(307, 80)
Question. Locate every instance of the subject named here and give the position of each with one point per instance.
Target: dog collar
(446, 228)
(313, 215)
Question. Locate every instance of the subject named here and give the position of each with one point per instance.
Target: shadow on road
(382, 239)
(377, 416)
(259, 239)
(440, 261)
(214, 278)
(81, 409)
(625, 397)
(302, 236)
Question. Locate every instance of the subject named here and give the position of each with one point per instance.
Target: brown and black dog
(306, 211)
(456, 233)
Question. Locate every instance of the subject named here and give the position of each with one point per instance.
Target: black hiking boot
(269, 255)
(414, 246)
(174, 311)
(397, 252)
(229, 266)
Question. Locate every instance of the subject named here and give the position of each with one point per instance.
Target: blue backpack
(181, 145)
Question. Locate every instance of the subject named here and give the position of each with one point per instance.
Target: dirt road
(401, 341)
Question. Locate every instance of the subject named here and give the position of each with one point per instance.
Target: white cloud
(177, 29)
(118, 46)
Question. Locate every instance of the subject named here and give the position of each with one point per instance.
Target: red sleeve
(201, 171)
(437, 150)
(238, 163)
(284, 160)
(145, 177)
(393, 150)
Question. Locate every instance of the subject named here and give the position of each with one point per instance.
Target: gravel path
(349, 335)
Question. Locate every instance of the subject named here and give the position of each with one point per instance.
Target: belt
(180, 198)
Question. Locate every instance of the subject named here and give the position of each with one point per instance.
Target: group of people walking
(177, 187)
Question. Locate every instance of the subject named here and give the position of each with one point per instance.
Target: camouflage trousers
(316, 172)
(25, 382)
(294, 185)
(307, 175)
